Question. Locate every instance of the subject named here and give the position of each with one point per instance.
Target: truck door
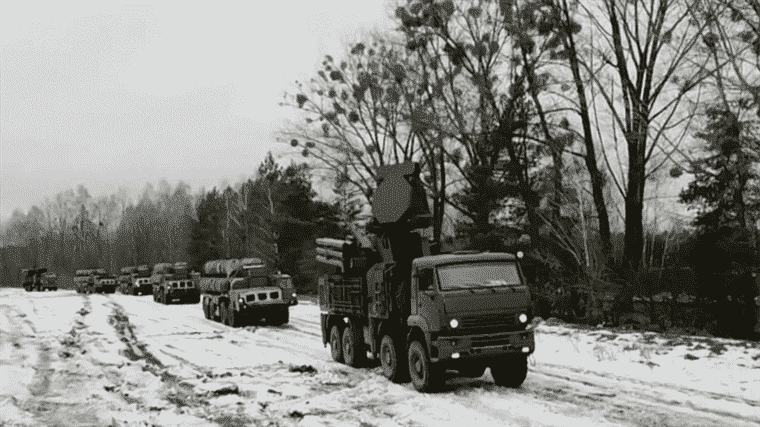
(425, 296)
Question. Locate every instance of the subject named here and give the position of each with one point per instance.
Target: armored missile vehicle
(82, 279)
(239, 292)
(135, 280)
(174, 282)
(421, 312)
(102, 282)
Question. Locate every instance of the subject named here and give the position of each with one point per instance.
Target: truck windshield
(478, 275)
(251, 282)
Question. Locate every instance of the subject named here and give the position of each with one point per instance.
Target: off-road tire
(223, 314)
(280, 317)
(425, 376)
(55, 288)
(336, 344)
(393, 360)
(354, 354)
(511, 371)
(235, 318)
(135, 291)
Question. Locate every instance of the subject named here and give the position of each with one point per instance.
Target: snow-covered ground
(116, 360)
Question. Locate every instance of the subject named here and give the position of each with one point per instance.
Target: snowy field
(114, 360)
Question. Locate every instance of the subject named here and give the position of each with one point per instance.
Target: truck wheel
(511, 372)
(353, 346)
(135, 291)
(235, 317)
(223, 313)
(425, 377)
(394, 367)
(281, 317)
(336, 345)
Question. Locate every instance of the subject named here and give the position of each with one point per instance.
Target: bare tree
(647, 70)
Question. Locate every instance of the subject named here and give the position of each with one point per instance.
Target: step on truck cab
(174, 283)
(39, 279)
(241, 292)
(422, 313)
(136, 280)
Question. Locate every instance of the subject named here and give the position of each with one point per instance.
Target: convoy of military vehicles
(396, 296)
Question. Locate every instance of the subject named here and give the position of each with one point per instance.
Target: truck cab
(470, 307)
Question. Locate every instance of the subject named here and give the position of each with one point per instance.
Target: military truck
(82, 279)
(422, 312)
(174, 282)
(39, 279)
(135, 280)
(240, 292)
(102, 282)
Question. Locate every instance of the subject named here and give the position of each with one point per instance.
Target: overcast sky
(110, 94)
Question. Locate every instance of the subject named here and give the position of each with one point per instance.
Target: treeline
(274, 216)
(552, 119)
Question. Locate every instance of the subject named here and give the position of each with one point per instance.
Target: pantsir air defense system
(135, 280)
(39, 279)
(239, 292)
(419, 311)
(174, 282)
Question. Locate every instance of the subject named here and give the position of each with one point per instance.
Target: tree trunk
(597, 182)
(634, 204)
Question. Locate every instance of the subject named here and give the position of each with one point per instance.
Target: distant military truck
(39, 279)
(135, 280)
(125, 279)
(102, 282)
(241, 292)
(174, 282)
(82, 279)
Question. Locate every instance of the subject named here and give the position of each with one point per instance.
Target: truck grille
(263, 296)
(182, 284)
(488, 323)
(492, 340)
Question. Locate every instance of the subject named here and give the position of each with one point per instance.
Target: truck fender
(418, 321)
(418, 324)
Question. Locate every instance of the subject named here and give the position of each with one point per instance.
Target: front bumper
(183, 293)
(262, 308)
(451, 348)
(145, 289)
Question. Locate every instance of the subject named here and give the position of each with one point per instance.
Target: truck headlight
(454, 323)
(523, 318)
(241, 300)
(294, 294)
